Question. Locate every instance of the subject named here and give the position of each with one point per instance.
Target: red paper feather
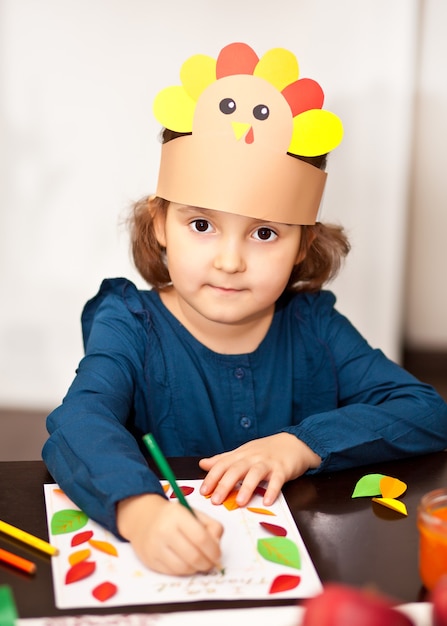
(303, 95)
(236, 58)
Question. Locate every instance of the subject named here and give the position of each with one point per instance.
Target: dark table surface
(353, 541)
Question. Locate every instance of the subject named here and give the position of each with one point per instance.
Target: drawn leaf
(368, 485)
(260, 511)
(285, 582)
(104, 591)
(104, 546)
(67, 521)
(279, 531)
(79, 571)
(78, 556)
(392, 487)
(280, 550)
(81, 538)
(260, 491)
(185, 490)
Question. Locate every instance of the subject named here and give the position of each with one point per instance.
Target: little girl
(235, 355)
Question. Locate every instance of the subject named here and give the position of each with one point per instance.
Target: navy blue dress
(313, 376)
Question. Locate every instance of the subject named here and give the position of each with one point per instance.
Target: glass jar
(432, 525)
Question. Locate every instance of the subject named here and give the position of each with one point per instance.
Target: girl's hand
(167, 538)
(276, 459)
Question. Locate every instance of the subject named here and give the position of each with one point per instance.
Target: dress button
(239, 372)
(245, 422)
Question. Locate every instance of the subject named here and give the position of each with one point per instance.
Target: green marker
(165, 469)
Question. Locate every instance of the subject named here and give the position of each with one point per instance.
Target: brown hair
(323, 246)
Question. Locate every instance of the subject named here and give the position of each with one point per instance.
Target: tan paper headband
(244, 115)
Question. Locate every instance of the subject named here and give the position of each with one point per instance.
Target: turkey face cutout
(243, 126)
(243, 111)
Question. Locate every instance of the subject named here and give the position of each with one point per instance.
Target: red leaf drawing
(285, 582)
(79, 571)
(185, 490)
(81, 537)
(279, 531)
(260, 491)
(104, 591)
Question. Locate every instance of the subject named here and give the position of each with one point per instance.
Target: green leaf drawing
(280, 550)
(368, 485)
(67, 521)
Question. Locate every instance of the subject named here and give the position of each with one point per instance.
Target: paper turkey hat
(246, 117)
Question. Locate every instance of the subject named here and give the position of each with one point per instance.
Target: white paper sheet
(248, 575)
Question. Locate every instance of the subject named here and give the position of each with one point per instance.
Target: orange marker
(17, 561)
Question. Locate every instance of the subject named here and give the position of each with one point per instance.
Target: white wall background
(79, 144)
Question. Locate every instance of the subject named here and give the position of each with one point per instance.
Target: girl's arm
(90, 452)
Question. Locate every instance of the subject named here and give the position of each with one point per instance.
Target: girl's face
(227, 270)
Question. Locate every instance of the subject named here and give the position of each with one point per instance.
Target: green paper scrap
(67, 521)
(8, 610)
(368, 485)
(280, 550)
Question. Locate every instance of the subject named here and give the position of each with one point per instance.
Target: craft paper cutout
(280, 550)
(79, 571)
(275, 114)
(284, 583)
(104, 591)
(81, 537)
(279, 531)
(78, 556)
(391, 503)
(185, 490)
(67, 521)
(104, 546)
(230, 501)
(259, 511)
(380, 485)
(368, 485)
(392, 487)
(249, 574)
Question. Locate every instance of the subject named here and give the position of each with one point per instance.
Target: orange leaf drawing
(104, 546)
(104, 591)
(79, 571)
(80, 555)
(284, 583)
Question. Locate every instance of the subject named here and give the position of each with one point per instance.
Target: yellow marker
(31, 540)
